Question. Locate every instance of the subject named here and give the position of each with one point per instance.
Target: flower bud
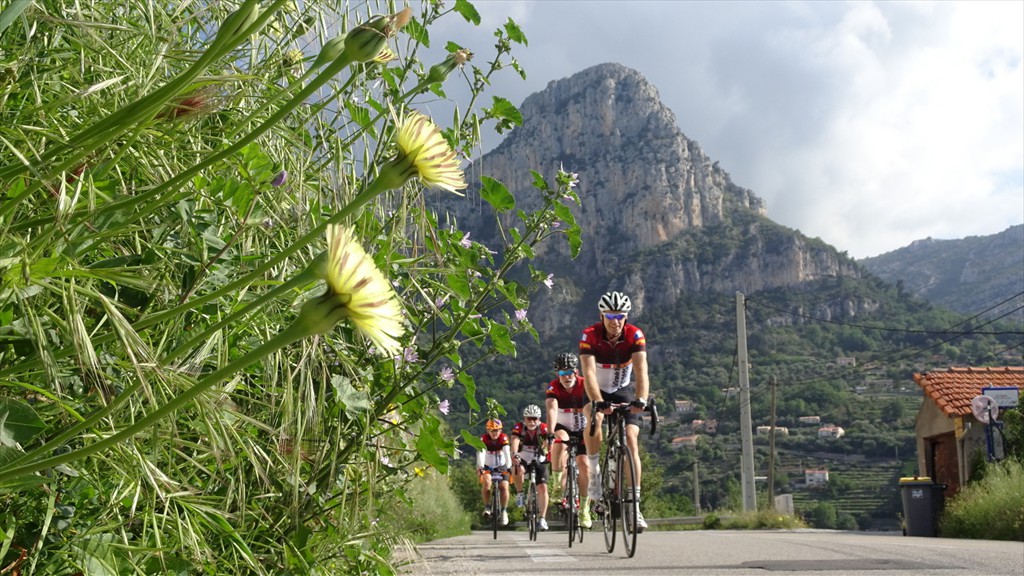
(330, 52)
(366, 41)
(439, 72)
(238, 21)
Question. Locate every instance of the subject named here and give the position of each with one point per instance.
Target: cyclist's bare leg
(558, 462)
(542, 499)
(593, 443)
(503, 494)
(517, 478)
(583, 463)
(485, 489)
(632, 440)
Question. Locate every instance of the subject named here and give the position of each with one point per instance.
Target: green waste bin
(923, 500)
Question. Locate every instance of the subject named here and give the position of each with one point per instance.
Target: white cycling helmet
(531, 411)
(614, 302)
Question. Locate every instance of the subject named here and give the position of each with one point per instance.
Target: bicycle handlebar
(623, 408)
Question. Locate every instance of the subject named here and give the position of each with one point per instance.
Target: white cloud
(868, 124)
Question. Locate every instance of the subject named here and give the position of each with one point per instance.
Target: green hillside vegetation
(802, 337)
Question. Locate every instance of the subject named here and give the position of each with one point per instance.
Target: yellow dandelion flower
(423, 153)
(357, 290)
(420, 471)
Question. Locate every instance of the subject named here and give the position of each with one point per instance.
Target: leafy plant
(185, 364)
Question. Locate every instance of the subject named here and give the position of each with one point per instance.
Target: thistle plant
(221, 343)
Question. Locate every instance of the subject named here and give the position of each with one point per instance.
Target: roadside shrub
(434, 510)
(991, 508)
(760, 520)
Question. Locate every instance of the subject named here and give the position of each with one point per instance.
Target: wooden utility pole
(696, 488)
(771, 450)
(746, 432)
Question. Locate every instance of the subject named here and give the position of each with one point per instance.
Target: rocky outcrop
(974, 275)
(659, 217)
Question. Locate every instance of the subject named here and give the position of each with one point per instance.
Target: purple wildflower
(549, 281)
(447, 374)
(280, 179)
(410, 355)
(466, 243)
(444, 406)
(520, 315)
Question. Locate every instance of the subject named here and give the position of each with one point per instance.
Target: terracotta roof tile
(953, 389)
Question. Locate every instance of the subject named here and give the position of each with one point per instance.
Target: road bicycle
(572, 496)
(532, 506)
(618, 476)
(497, 475)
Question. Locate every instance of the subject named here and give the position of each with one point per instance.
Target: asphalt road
(720, 553)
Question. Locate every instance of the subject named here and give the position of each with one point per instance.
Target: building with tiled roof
(949, 437)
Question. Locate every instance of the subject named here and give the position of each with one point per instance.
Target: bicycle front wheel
(608, 497)
(531, 510)
(571, 507)
(495, 508)
(630, 504)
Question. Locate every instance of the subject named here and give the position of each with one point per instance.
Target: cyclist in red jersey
(529, 445)
(494, 456)
(612, 351)
(566, 399)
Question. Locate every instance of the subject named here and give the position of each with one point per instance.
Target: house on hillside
(948, 435)
(684, 441)
(815, 420)
(831, 431)
(685, 406)
(815, 477)
(767, 430)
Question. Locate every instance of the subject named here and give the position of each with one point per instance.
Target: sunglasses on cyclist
(566, 372)
(531, 419)
(612, 316)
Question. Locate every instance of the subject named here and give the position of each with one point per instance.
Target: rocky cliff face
(659, 217)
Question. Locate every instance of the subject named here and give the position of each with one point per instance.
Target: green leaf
(575, 237)
(417, 32)
(497, 194)
(468, 11)
(515, 33)
(504, 109)
(427, 446)
(19, 423)
(472, 440)
(502, 339)
(355, 401)
(459, 284)
(470, 394)
(359, 115)
(16, 484)
(573, 232)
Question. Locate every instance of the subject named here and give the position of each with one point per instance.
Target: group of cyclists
(611, 368)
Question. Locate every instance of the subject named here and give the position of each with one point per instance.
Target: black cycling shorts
(624, 396)
(541, 468)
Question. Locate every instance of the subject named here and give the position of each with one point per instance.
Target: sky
(866, 124)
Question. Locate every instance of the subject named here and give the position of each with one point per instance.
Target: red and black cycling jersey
(568, 398)
(614, 361)
(527, 437)
(570, 404)
(494, 444)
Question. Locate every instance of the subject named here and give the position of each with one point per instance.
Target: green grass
(991, 508)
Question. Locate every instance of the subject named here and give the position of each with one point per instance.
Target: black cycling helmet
(614, 302)
(566, 361)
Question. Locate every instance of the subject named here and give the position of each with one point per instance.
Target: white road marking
(549, 555)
